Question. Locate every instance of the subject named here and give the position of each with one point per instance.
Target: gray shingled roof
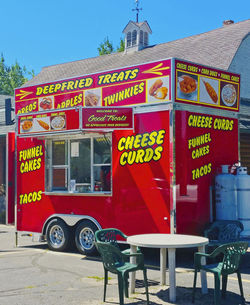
(138, 24)
(215, 48)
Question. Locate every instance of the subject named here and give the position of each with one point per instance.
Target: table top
(161, 240)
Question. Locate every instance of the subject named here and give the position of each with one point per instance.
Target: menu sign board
(206, 86)
(76, 119)
(143, 84)
(49, 122)
(140, 85)
(107, 118)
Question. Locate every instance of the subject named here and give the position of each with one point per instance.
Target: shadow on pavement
(184, 257)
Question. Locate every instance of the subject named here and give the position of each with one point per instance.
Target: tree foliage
(106, 47)
(121, 47)
(12, 77)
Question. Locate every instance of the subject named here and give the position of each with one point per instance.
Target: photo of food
(93, 98)
(187, 86)
(26, 125)
(41, 124)
(228, 94)
(58, 122)
(46, 103)
(158, 89)
(209, 89)
(211, 92)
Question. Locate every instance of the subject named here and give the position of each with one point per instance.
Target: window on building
(141, 37)
(134, 34)
(129, 39)
(145, 39)
(80, 165)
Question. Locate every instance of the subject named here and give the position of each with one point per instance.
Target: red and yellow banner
(143, 84)
(206, 86)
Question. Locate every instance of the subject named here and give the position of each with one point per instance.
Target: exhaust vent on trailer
(227, 22)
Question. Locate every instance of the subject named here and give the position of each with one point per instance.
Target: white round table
(170, 242)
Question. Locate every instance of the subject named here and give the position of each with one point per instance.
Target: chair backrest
(232, 255)
(109, 236)
(224, 231)
(230, 232)
(111, 256)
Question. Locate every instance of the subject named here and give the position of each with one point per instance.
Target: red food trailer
(135, 148)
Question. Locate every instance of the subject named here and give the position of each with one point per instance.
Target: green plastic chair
(116, 262)
(222, 232)
(111, 235)
(231, 253)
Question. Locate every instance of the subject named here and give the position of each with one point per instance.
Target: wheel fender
(70, 220)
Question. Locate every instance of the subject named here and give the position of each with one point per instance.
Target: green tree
(121, 47)
(12, 77)
(106, 47)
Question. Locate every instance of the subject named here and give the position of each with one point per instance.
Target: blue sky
(39, 33)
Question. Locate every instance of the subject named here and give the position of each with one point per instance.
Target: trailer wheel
(58, 235)
(85, 237)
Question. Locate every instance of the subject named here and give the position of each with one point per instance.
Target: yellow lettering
(201, 171)
(30, 197)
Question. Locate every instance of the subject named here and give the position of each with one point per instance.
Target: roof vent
(228, 22)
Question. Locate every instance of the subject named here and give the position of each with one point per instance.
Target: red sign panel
(204, 142)
(49, 122)
(137, 154)
(143, 84)
(107, 118)
(206, 86)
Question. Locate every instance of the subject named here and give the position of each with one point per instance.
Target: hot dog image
(43, 124)
(211, 92)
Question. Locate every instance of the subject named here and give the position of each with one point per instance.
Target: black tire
(58, 235)
(85, 237)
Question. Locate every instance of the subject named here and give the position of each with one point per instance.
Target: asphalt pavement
(31, 274)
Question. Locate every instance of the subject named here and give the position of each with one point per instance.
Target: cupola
(136, 36)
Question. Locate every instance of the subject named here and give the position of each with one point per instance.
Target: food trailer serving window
(79, 165)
